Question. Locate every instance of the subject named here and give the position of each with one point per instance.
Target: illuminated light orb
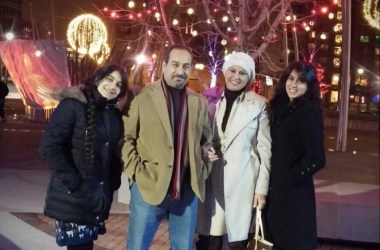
(87, 34)
(371, 13)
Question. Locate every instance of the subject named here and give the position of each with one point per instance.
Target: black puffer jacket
(78, 193)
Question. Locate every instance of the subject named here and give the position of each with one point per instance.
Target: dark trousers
(216, 243)
(2, 103)
(86, 246)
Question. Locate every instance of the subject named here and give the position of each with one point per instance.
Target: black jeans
(2, 104)
(216, 243)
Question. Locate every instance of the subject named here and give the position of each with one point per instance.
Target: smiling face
(236, 78)
(178, 68)
(294, 86)
(110, 86)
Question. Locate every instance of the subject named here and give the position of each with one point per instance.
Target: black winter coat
(297, 153)
(78, 193)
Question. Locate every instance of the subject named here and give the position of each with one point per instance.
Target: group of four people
(234, 156)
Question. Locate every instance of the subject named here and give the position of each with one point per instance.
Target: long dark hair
(90, 86)
(307, 74)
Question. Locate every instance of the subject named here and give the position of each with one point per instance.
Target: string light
(131, 4)
(87, 34)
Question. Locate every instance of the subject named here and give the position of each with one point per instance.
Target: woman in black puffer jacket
(80, 146)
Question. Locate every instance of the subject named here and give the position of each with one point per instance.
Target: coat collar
(160, 105)
(246, 106)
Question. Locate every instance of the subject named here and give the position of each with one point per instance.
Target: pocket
(90, 196)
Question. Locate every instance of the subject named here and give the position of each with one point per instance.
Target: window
(334, 96)
(337, 51)
(364, 39)
(338, 27)
(335, 79)
(336, 62)
(338, 38)
(339, 15)
(324, 47)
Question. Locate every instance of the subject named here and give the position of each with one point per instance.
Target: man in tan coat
(167, 155)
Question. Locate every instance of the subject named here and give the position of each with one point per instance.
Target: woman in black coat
(80, 146)
(297, 154)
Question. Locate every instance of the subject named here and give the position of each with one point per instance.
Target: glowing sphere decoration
(87, 34)
(371, 13)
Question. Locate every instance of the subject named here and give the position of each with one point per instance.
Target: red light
(139, 15)
(113, 14)
(335, 1)
(149, 12)
(105, 9)
(304, 24)
(235, 39)
(324, 10)
(131, 16)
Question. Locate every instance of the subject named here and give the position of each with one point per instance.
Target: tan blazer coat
(148, 151)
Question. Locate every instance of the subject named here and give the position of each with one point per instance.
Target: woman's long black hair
(90, 86)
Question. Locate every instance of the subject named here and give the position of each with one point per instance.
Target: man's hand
(259, 201)
(209, 155)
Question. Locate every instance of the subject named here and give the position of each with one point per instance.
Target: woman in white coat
(239, 180)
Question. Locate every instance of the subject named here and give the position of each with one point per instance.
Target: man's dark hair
(176, 46)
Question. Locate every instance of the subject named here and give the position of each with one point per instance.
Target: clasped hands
(209, 155)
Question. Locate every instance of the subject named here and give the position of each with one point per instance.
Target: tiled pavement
(117, 225)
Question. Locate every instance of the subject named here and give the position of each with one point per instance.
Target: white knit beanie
(240, 59)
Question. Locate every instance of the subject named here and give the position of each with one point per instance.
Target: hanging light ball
(87, 34)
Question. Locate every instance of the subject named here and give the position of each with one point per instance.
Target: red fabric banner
(37, 68)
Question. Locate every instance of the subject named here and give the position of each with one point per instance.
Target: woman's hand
(259, 201)
(209, 155)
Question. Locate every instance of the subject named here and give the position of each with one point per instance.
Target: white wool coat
(243, 166)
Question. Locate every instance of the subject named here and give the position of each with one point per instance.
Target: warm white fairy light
(190, 11)
(225, 18)
(175, 22)
(87, 34)
(373, 18)
(131, 4)
(140, 59)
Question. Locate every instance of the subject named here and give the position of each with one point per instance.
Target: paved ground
(23, 180)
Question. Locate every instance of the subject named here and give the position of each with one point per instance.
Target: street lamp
(9, 36)
(360, 72)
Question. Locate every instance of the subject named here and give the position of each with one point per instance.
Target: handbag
(258, 242)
